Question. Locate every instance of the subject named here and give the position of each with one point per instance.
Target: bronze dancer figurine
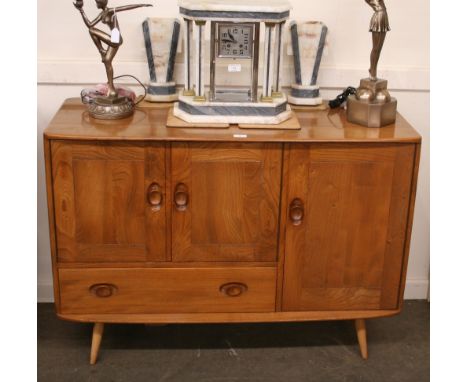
(108, 16)
(379, 26)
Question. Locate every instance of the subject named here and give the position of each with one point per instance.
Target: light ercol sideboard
(150, 224)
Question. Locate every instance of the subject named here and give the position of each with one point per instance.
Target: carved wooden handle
(181, 197)
(233, 289)
(103, 290)
(155, 196)
(296, 211)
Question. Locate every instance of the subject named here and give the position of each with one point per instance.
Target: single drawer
(167, 290)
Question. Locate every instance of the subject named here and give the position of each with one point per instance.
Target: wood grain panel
(184, 318)
(110, 200)
(397, 232)
(101, 203)
(233, 202)
(170, 290)
(149, 124)
(64, 200)
(347, 252)
(155, 225)
(409, 223)
(51, 215)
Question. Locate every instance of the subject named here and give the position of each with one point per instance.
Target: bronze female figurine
(379, 26)
(108, 16)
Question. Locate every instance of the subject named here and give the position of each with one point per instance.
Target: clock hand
(232, 37)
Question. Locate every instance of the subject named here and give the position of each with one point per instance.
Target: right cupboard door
(346, 225)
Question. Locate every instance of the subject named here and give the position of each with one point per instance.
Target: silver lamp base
(372, 106)
(111, 108)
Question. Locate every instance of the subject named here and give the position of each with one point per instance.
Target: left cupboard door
(109, 201)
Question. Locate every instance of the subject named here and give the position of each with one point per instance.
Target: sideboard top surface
(148, 123)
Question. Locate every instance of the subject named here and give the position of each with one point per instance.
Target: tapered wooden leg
(361, 335)
(96, 342)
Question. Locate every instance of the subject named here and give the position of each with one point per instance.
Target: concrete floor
(289, 352)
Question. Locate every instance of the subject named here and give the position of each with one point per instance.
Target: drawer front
(167, 290)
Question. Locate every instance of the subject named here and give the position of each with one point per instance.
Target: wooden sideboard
(150, 224)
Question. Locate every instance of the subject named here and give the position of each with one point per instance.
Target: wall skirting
(416, 289)
(78, 71)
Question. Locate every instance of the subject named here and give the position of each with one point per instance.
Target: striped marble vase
(308, 41)
(161, 41)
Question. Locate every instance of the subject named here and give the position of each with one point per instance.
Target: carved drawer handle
(296, 211)
(103, 290)
(155, 196)
(233, 289)
(181, 197)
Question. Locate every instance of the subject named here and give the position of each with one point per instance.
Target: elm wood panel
(397, 233)
(64, 200)
(282, 226)
(342, 298)
(409, 225)
(170, 290)
(149, 123)
(168, 203)
(233, 201)
(169, 264)
(101, 202)
(354, 197)
(200, 318)
(109, 202)
(51, 215)
(157, 246)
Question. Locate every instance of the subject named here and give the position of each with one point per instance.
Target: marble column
(268, 63)
(277, 93)
(188, 91)
(199, 57)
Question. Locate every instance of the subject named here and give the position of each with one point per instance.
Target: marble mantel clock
(234, 52)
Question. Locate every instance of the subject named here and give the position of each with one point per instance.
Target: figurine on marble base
(372, 105)
(111, 106)
(161, 41)
(308, 41)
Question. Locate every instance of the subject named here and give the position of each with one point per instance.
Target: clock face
(235, 40)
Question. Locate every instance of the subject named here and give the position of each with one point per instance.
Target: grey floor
(296, 352)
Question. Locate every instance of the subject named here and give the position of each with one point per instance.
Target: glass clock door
(234, 62)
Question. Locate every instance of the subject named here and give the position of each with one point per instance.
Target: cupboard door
(346, 226)
(109, 202)
(225, 201)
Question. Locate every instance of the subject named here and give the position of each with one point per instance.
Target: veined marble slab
(275, 6)
(234, 119)
(241, 10)
(264, 113)
(276, 101)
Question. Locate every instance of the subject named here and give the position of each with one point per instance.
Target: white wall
(68, 61)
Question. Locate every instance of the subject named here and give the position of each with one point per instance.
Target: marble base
(162, 98)
(373, 114)
(305, 95)
(305, 101)
(162, 92)
(232, 118)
